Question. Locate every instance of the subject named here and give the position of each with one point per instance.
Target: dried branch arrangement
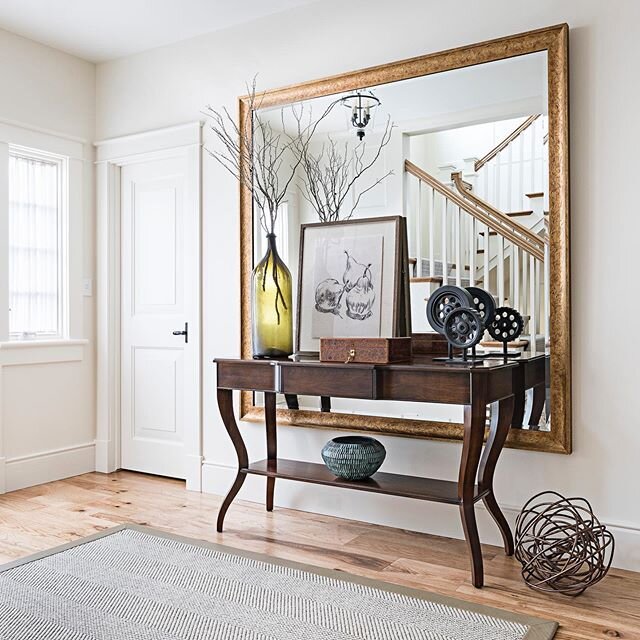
(256, 155)
(330, 175)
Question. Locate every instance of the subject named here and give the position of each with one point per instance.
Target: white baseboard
(193, 466)
(402, 513)
(47, 466)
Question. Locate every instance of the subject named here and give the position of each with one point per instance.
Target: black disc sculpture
(443, 301)
(561, 545)
(463, 328)
(506, 326)
(461, 315)
(483, 303)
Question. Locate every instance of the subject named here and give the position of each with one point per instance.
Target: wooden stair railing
(506, 142)
(495, 220)
(535, 241)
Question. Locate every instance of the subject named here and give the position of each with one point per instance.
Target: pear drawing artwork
(328, 296)
(358, 286)
(361, 297)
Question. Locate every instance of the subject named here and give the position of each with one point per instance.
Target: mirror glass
(468, 140)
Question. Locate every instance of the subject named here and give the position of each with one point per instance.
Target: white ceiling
(99, 30)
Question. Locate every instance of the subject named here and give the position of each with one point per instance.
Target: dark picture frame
(399, 322)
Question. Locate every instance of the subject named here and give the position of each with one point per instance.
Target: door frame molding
(111, 155)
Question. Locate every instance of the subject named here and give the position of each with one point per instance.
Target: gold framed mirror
(525, 77)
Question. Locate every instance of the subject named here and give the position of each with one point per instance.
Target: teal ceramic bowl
(353, 457)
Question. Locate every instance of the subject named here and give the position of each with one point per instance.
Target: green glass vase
(271, 306)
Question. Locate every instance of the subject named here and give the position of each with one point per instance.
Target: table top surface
(418, 362)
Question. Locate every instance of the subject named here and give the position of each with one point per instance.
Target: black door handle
(184, 333)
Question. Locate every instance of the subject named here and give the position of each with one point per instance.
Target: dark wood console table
(423, 380)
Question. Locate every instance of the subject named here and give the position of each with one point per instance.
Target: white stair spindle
(445, 269)
(533, 159)
(458, 241)
(509, 198)
(432, 231)
(512, 276)
(500, 271)
(547, 308)
(496, 181)
(532, 305)
(524, 298)
(487, 244)
(472, 250)
(523, 203)
(515, 258)
(419, 232)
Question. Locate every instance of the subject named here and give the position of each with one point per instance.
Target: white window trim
(71, 346)
(63, 240)
(41, 351)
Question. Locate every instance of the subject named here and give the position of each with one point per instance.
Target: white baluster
(524, 205)
(515, 258)
(512, 276)
(533, 160)
(472, 250)
(547, 308)
(487, 245)
(419, 232)
(524, 298)
(496, 182)
(532, 305)
(445, 270)
(458, 248)
(509, 198)
(432, 216)
(500, 270)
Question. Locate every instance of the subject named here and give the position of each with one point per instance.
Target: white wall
(47, 409)
(171, 84)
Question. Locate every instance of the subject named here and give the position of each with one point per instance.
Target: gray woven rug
(138, 584)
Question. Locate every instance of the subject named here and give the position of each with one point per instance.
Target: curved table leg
(498, 433)
(225, 404)
(519, 397)
(272, 442)
(537, 405)
(474, 421)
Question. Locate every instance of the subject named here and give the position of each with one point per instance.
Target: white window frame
(62, 163)
(79, 155)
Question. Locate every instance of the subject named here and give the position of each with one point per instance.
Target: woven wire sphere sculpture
(561, 544)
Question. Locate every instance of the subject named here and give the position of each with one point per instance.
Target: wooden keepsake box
(365, 350)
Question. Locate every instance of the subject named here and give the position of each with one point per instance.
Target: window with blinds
(36, 248)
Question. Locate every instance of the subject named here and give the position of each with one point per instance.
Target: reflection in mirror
(466, 162)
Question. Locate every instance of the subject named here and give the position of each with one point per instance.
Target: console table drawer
(353, 381)
(248, 375)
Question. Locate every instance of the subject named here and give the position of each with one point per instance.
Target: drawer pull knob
(352, 355)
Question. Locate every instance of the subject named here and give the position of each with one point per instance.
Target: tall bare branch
(331, 174)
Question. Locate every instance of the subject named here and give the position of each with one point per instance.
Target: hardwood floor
(41, 517)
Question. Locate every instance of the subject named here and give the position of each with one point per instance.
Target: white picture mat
(363, 255)
(313, 235)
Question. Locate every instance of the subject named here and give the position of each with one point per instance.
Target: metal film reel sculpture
(443, 301)
(463, 328)
(561, 545)
(506, 326)
(483, 303)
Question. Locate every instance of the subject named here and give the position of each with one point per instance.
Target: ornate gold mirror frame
(554, 40)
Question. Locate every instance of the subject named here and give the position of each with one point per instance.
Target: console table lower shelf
(391, 484)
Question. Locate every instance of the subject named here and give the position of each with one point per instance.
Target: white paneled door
(159, 289)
